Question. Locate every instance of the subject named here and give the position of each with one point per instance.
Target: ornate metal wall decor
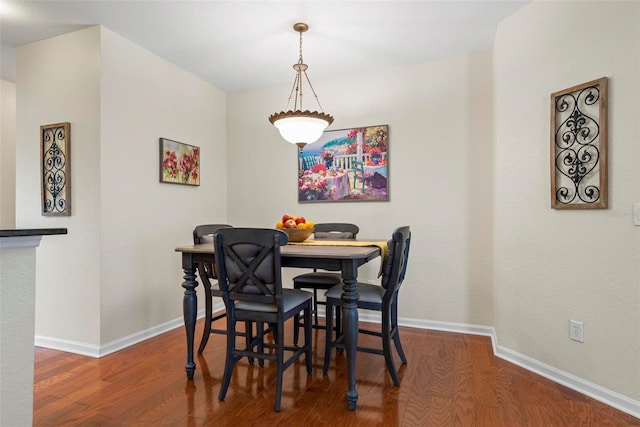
(55, 159)
(579, 146)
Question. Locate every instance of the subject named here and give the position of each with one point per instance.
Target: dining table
(329, 255)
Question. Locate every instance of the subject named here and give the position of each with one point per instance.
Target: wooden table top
(308, 251)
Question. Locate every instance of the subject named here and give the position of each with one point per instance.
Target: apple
(290, 223)
(300, 220)
(285, 218)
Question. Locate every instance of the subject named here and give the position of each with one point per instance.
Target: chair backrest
(397, 258)
(335, 230)
(249, 268)
(202, 234)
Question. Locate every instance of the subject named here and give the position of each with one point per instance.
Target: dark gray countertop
(32, 232)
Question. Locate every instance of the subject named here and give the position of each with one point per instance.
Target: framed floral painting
(179, 163)
(345, 165)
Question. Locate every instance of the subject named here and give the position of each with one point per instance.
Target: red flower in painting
(188, 166)
(170, 164)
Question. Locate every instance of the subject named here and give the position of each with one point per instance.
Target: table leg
(189, 308)
(350, 327)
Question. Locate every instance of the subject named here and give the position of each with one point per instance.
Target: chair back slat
(335, 230)
(395, 266)
(202, 234)
(249, 266)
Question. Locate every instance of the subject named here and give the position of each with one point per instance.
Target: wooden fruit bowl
(297, 235)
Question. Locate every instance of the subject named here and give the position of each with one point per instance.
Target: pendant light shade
(297, 126)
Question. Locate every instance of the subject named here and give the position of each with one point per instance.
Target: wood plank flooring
(450, 380)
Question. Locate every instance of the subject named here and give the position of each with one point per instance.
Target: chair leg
(274, 331)
(248, 336)
(296, 329)
(230, 359)
(280, 368)
(307, 339)
(260, 334)
(328, 335)
(338, 321)
(296, 323)
(315, 306)
(208, 318)
(394, 330)
(386, 347)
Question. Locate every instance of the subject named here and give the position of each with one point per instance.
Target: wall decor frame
(179, 163)
(345, 165)
(55, 172)
(579, 146)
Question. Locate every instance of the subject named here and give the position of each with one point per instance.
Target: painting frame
(55, 169)
(345, 165)
(179, 163)
(578, 146)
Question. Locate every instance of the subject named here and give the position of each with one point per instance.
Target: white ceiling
(240, 44)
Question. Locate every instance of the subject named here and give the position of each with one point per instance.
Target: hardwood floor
(450, 380)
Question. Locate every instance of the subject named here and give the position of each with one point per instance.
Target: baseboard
(97, 352)
(67, 345)
(611, 398)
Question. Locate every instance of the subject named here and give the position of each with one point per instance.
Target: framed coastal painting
(55, 173)
(345, 165)
(179, 163)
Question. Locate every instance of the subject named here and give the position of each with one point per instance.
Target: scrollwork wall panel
(55, 156)
(579, 146)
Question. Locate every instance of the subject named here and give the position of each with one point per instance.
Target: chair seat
(368, 293)
(318, 279)
(291, 298)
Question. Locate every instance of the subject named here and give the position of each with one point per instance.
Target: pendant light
(298, 126)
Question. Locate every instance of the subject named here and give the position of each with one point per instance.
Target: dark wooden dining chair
(203, 234)
(382, 298)
(322, 280)
(249, 273)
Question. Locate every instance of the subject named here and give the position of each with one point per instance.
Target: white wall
(551, 265)
(143, 98)
(116, 273)
(58, 80)
(439, 117)
(7, 154)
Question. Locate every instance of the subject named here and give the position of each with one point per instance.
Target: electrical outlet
(576, 331)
